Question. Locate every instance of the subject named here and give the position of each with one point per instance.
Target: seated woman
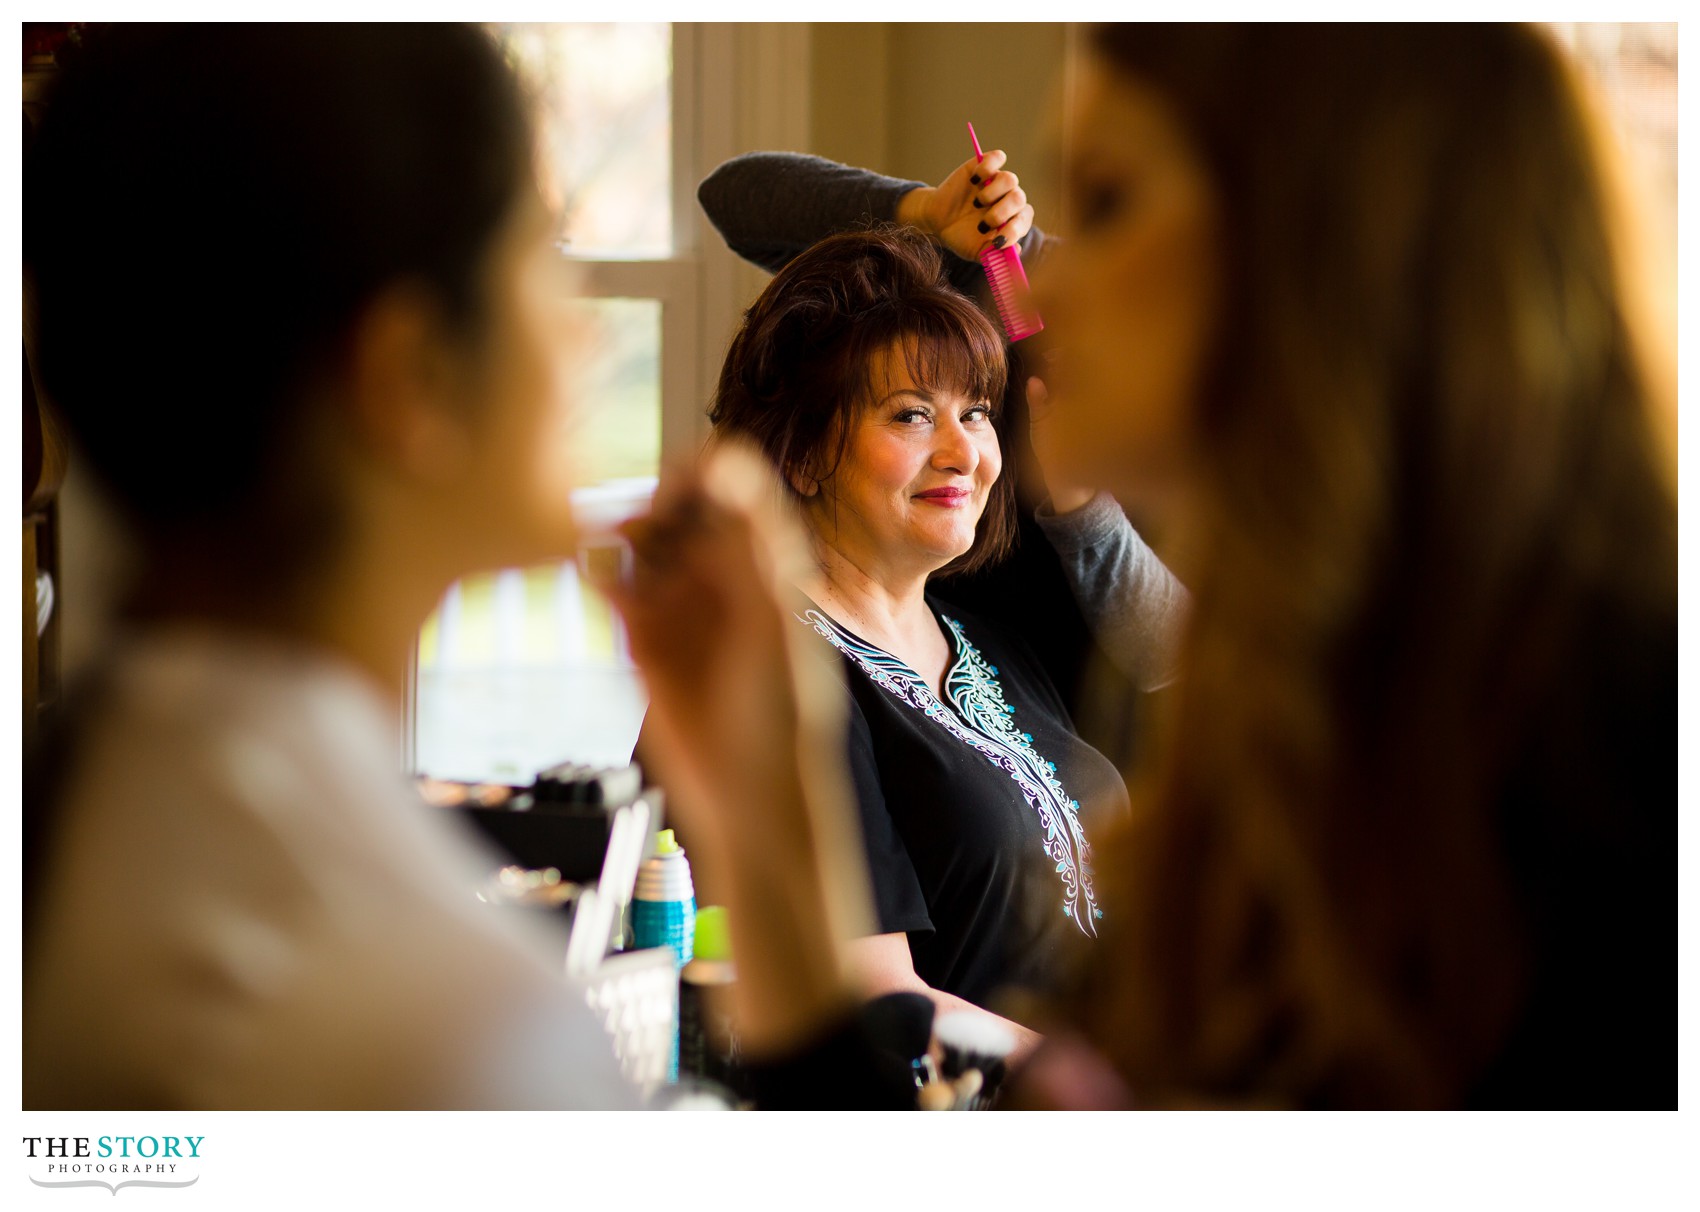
(870, 381)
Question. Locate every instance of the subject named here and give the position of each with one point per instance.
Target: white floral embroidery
(985, 722)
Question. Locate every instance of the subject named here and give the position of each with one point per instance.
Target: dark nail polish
(984, 229)
(979, 205)
(976, 180)
(1000, 241)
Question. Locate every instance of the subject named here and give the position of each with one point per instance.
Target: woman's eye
(1096, 204)
(980, 412)
(911, 416)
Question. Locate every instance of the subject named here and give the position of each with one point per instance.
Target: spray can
(664, 906)
(664, 911)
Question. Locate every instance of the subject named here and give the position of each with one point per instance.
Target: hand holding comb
(1008, 279)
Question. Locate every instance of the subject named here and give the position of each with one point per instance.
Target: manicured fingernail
(979, 205)
(1000, 241)
(976, 180)
(984, 229)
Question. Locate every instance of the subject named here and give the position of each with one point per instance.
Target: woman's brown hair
(801, 367)
(1437, 550)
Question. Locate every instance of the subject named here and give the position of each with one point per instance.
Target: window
(521, 668)
(602, 97)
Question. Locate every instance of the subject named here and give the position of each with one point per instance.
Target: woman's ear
(404, 387)
(801, 481)
(809, 475)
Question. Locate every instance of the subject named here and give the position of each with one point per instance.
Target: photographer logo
(113, 1162)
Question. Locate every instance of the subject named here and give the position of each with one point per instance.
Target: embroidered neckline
(983, 721)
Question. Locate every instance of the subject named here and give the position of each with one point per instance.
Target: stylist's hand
(979, 206)
(1066, 497)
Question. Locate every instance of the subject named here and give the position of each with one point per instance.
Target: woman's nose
(954, 449)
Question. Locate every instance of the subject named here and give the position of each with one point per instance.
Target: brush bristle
(973, 1034)
(1009, 291)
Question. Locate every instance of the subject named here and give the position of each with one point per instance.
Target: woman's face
(1131, 295)
(916, 475)
(522, 398)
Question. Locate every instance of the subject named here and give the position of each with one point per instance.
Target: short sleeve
(898, 903)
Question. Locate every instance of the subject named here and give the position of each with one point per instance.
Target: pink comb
(1008, 279)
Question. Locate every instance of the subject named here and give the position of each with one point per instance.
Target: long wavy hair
(1432, 509)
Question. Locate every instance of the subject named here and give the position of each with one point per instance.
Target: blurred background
(522, 668)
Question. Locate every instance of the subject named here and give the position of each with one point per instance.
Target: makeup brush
(974, 1042)
(900, 1023)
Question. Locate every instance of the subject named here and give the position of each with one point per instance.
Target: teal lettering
(171, 1147)
(143, 1143)
(194, 1145)
(105, 1146)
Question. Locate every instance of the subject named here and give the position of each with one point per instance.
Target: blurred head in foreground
(1347, 302)
(290, 315)
(300, 311)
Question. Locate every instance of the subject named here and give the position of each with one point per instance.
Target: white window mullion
(686, 162)
(726, 283)
(685, 381)
(683, 394)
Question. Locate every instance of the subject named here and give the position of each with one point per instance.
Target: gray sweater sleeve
(1131, 600)
(770, 206)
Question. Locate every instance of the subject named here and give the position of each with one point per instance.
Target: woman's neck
(888, 611)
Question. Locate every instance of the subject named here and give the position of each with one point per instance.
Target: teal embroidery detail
(984, 721)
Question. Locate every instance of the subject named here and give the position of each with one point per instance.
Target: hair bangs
(949, 345)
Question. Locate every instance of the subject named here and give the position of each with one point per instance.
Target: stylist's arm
(745, 731)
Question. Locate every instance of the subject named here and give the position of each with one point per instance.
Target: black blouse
(975, 812)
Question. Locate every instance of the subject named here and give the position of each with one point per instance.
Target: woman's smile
(947, 498)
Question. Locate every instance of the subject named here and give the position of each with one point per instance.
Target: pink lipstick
(950, 498)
